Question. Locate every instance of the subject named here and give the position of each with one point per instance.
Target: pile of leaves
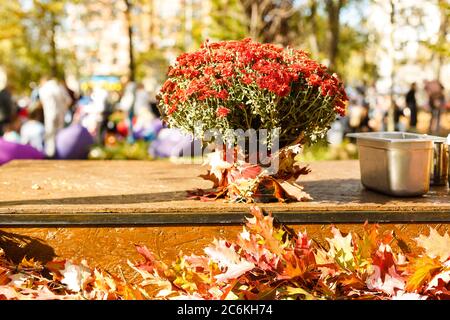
(62, 280)
(240, 181)
(267, 261)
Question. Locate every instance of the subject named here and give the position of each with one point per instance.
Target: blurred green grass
(121, 151)
(320, 151)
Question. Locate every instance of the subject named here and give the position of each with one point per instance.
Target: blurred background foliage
(336, 32)
(367, 42)
(120, 151)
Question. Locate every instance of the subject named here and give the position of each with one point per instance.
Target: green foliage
(228, 20)
(28, 48)
(121, 151)
(308, 29)
(441, 46)
(321, 151)
(152, 63)
(27, 41)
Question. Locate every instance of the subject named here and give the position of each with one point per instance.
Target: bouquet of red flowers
(242, 85)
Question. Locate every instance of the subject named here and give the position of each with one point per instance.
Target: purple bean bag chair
(173, 143)
(11, 151)
(73, 142)
(157, 125)
(149, 132)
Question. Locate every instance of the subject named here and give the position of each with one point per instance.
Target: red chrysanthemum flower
(222, 112)
(222, 94)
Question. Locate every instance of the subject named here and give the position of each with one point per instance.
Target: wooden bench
(97, 210)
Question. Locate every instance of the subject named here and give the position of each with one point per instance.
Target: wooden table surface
(154, 192)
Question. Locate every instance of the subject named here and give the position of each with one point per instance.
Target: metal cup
(440, 164)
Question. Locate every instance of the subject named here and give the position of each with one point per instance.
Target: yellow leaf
(368, 244)
(422, 270)
(297, 291)
(29, 264)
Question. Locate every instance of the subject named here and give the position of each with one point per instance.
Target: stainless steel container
(395, 163)
(448, 153)
(439, 165)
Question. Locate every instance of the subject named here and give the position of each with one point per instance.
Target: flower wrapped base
(240, 181)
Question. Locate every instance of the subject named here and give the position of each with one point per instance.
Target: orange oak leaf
(262, 226)
(368, 244)
(293, 266)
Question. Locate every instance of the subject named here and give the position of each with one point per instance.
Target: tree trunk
(254, 30)
(131, 65)
(391, 112)
(152, 27)
(188, 39)
(333, 9)
(268, 19)
(53, 51)
(313, 22)
(443, 28)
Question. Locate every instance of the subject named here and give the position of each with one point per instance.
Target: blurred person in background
(84, 111)
(100, 109)
(12, 129)
(358, 111)
(34, 96)
(33, 130)
(411, 103)
(127, 100)
(55, 103)
(7, 108)
(73, 101)
(142, 101)
(126, 105)
(436, 101)
(399, 114)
